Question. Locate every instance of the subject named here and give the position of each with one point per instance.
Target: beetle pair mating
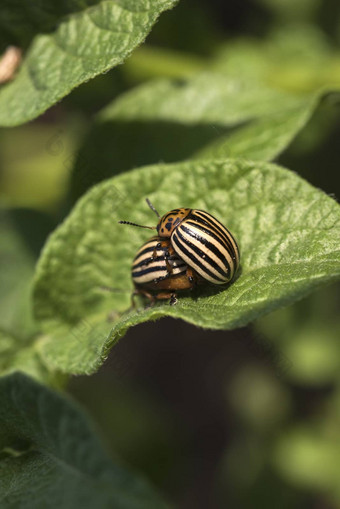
(191, 248)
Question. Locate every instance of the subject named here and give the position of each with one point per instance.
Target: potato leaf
(209, 116)
(88, 41)
(50, 457)
(287, 231)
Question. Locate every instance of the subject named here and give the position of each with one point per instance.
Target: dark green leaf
(50, 457)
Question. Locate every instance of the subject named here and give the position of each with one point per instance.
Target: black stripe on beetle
(196, 262)
(211, 222)
(199, 255)
(210, 247)
(208, 234)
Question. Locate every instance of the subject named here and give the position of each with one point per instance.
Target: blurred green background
(248, 418)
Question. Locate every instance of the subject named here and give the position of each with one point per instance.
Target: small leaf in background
(206, 98)
(265, 138)
(288, 247)
(50, 457)
(83, 45)
(208, 116)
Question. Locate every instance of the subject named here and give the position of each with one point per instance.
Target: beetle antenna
(152, 207)
(139, 225)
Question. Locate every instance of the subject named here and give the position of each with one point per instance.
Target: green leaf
(83, 45)
(206, 98)
(287, 230)
(208, 116)
(264, 138)
(50, 457)
(264, 120)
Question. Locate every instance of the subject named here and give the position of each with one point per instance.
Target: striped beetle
(158, 273)
(201, 241)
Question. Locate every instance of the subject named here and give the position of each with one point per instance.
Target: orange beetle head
(170, 221)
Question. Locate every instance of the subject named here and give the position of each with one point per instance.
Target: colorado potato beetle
(199, 240)
(158, 273)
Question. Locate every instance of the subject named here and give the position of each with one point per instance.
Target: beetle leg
(167, 295)
(145, 293)
(170, 250)
(173, 299)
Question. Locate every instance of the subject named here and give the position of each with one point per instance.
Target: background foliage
(229, 108)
